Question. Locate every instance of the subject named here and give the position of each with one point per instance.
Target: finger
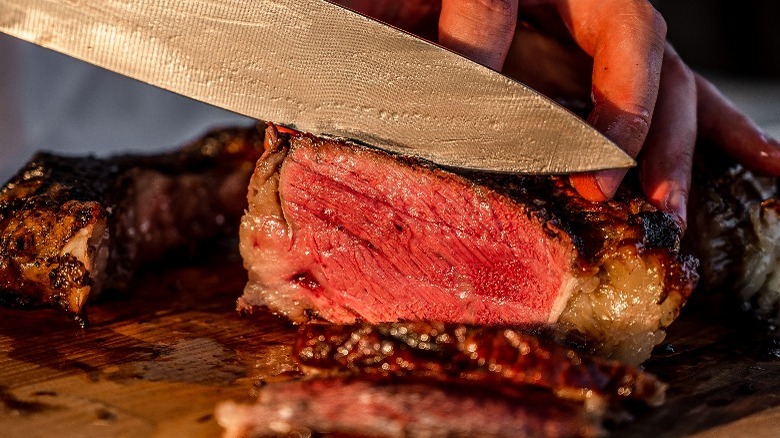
(626, 40)
(481, 30)
(666, 158)
(735, 132)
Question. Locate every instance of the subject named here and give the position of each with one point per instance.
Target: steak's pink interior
(379, 240)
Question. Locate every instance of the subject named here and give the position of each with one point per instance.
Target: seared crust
(41, 209)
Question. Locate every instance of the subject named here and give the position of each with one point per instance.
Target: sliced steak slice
(70, 227)
(362, 408)
(491, 355)
(345, 233)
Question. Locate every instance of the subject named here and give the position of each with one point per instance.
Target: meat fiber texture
(346, 233)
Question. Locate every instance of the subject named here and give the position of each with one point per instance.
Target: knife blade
(322, 68)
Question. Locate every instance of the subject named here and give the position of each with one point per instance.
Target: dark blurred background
(736, 45)
(726, 36)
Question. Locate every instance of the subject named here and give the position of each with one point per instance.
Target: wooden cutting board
(155, 362)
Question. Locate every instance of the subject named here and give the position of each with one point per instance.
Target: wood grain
(155, 362)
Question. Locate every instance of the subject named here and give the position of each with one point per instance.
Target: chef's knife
(322, 68)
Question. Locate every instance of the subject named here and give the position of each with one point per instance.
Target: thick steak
(346, 233)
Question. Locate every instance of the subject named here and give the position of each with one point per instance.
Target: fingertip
(627, 129)
(669, 196)
(586, 185)
(609, 180)
(676, 204)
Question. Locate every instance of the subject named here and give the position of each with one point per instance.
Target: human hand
(612, 56)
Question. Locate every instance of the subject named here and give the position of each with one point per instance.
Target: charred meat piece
(490, 355)
(344, 407)
(345, 233)
(735, 231)
(70, 227)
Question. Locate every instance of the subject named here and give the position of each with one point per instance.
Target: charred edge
(504, 356)
(659, 230)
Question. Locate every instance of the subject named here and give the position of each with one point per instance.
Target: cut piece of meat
(494, 356)
(348, 407)
(345, 233)
(735, 231)
(70, 227)
(367, 238)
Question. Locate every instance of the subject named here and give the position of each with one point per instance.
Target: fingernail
(677, 204)
(609, 180)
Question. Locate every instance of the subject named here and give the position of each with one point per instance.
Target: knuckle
(504, 8)
(635, 126)
(639, 117)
